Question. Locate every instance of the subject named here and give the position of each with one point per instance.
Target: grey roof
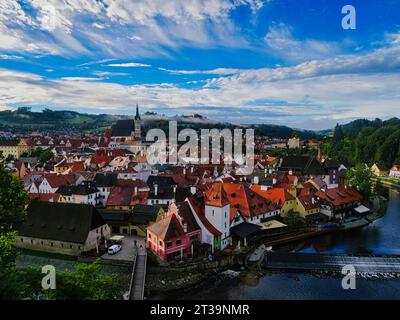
(68, 222)
(84, 188)
(123, 128)
(105, 179)
(304, 164)
(161, 181)
(9, 142)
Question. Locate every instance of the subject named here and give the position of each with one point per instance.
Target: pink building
(173, 235)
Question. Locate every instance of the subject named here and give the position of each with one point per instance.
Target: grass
(28, 258)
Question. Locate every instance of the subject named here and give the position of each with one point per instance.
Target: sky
(286, 62)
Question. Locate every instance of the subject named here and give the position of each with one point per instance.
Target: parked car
(114, 249)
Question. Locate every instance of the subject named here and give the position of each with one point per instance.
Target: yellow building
(307, 205)
(13, 148)
(379, 170)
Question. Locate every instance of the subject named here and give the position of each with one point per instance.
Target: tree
(360, 178)
(87, 283)
(13, 199)
(293, 220)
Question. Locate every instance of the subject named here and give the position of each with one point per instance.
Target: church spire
(137, 117)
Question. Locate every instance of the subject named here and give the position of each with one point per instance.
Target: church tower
(138, 123)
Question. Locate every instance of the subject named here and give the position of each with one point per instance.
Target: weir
(330, 262)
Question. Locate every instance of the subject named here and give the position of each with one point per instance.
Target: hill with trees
(365, 141)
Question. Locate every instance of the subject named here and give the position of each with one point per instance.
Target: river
(380, 237)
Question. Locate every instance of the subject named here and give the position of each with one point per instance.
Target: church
(127, 130)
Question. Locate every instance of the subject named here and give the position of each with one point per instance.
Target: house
(51, 182)
(125, 197)
(14, 148)
(225, 206)
(63, 228)
(284, 200)
(46, 197)
(104, 182)
(395, 171)
(305, 165)
(167, 195)
(379, 170)
(141, 217)
(294, 143)
(133, 222)
(308, 206)
(339, 202)
(174, 235)
(20, 169)
(86, 193)
(332, 170)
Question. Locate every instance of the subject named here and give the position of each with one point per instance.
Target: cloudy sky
(245, 61)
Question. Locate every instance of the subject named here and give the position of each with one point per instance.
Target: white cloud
(128, 65)
(10, 57)
(281, 41)
(218, 71)
(66, 27)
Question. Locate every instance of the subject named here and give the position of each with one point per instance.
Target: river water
(380, 237)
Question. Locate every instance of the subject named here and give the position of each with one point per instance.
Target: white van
(114, 249)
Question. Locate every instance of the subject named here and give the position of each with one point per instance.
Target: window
(51, 243)
(160, 243)
(149, 235)
(169, 244)
(178, 242)
(192, 237)
(22, 239)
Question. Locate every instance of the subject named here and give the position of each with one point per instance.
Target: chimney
(274, 181)
(184, 170)
(256, 180)
(185, 227)
(193, 190)
(191, 169)
(312, 200)
(174, 188)
(136, 190)
(155, 189)
(290, 172)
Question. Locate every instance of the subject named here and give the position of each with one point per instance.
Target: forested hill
(365, 141)
(24, 120)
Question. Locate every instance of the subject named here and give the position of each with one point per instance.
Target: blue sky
(245, 61)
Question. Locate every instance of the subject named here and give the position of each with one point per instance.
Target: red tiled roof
(340, 196)
(276, 195)
(55, 180)
(45, 197)
(198, 207)
(309, 202)
(247, 201)
(216, 196)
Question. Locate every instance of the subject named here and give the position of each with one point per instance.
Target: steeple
(137, 117)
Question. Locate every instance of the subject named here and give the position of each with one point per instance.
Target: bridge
(330, 262)
(138, 278)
